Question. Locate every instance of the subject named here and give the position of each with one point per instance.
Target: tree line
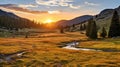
(16, 23)
(72, 28)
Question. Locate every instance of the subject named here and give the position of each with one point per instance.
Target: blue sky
(96, 5)
(71, 8)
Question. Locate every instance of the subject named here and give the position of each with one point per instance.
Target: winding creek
(73, 46)
(9, 57)
(70, 46)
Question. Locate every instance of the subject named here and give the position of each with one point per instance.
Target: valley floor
(44, 50)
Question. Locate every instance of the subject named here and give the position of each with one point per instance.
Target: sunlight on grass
(44, 51)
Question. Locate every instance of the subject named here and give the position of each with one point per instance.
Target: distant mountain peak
(76, 20)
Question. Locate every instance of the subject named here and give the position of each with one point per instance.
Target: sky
(43, 10)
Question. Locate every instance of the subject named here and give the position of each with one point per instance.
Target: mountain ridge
(74, 21)
(103, 19)
(11, 21)
(4, 13)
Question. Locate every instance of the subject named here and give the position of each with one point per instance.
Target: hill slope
(104, 18)
(10, 20)
(4, 13)
(77, 20)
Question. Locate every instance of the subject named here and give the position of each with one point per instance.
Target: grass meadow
(44, 51)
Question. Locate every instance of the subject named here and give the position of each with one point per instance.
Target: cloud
(91, 4)
(22, 8)
(74, 7)
(54, 2)
(26, 6)
(64, 3)
(54, 12)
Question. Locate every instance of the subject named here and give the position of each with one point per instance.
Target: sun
(48, 21)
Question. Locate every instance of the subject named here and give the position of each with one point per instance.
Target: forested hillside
(11, 21)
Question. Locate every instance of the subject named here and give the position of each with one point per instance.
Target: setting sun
(48, 21)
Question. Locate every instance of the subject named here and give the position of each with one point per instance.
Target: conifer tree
(93, 31)
(81, 27)
(61, 29)
(73, 25)
(26, 34)
(114, 30)
(84, 26)
(103, 33)
(88, 27)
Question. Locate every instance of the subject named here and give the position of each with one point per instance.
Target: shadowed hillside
(11, 21)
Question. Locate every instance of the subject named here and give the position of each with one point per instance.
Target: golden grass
(46, 52)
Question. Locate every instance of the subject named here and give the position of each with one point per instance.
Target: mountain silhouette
(76, 20)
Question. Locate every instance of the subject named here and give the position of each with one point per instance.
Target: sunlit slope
(103, 19)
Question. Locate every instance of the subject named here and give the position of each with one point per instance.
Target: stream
(70, 46)
(9, 57)
(73, 46)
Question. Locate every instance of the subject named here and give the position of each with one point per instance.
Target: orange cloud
(22, 8)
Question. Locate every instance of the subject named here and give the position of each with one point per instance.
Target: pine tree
(81, 27)
(114, 30)
(84, 27)
(88, 27)
(26, 34)
(103, 33)
(93, 31)
(61, 29)
(73, 25)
